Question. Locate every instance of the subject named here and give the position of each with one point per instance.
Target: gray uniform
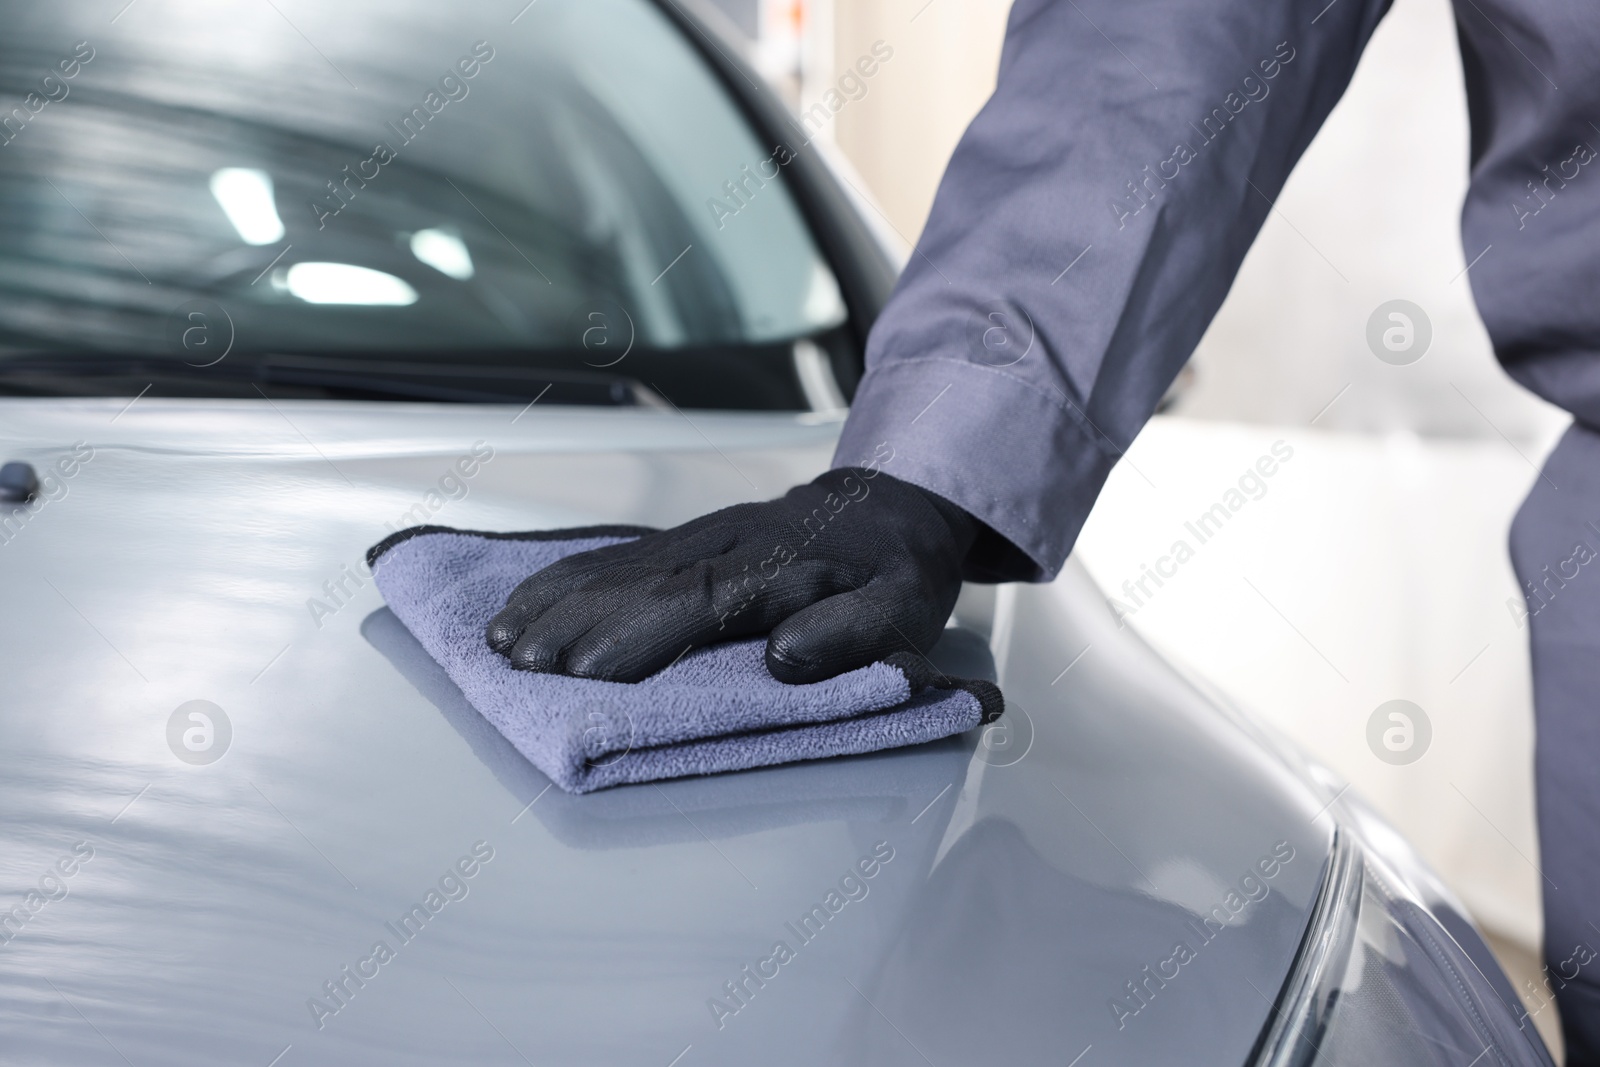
(1141, 145)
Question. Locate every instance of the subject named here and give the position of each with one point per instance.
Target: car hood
(1039, 890)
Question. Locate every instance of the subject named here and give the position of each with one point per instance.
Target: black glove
(842, 572)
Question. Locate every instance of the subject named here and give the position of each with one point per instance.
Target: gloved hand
(841, 572)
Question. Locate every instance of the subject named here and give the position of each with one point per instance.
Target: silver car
(279, 279)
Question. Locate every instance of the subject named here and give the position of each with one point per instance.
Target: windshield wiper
(293, 376)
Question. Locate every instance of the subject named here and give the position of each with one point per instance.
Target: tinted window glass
(377, 179)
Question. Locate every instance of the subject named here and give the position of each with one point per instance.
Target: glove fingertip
(502, 634)
(791, 663)
(788, 671)
(603, 665)
(530, 656)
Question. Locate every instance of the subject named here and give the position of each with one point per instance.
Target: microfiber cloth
(715, 709)
(919, 782)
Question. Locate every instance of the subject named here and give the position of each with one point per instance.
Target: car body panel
(1034, 873)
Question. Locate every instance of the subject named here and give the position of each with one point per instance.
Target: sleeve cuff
(1025, 461)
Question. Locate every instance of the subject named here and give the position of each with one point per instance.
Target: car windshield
(461, 200)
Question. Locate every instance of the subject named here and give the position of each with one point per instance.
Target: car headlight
(1379, 980)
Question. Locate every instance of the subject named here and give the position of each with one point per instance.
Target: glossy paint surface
(208, 550)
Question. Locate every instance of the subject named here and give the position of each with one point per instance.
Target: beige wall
(901, 133)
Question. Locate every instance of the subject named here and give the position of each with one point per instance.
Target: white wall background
(1377, 557)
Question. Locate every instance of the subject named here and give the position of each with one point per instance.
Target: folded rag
(715, 709)
(869, 788)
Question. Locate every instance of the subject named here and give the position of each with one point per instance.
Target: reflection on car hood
(370, 875)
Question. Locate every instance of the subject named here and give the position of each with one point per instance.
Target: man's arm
(1085, 233)
(1087, 229)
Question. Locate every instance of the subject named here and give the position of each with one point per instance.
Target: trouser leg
(1555, 549)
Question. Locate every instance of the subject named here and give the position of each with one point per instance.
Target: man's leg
(1531, 233)
(1555, 548)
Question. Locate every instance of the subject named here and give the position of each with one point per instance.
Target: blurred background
(1374, 568)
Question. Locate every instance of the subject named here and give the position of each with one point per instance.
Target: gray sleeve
(1085, 233)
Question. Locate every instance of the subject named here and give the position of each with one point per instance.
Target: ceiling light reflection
(346, 283)
(245, 195)
(444, 251)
